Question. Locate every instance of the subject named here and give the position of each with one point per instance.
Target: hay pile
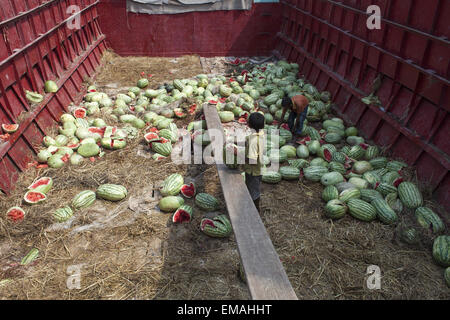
(130, 250)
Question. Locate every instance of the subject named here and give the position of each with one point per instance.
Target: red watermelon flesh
(242, 120)
(79, 113)
(73, 145)
(327, 155)
(10, 128)
(188, 190)
(15, 214)
(41, 182)
(285, 126)
(208, 222)
(100, 131)
(151, 136)
(397, 182)
(181, 216)
(32, 197)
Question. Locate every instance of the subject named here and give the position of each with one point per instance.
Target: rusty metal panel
(37, 46)
(412, 54)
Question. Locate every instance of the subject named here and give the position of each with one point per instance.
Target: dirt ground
(130, 250)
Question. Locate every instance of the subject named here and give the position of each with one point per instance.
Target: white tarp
(180, 6)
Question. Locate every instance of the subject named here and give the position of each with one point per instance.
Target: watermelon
(30, 257)
(63, 214)
(441, 250)
(43, 184)
(33, 197)
(10, 128)
(314, 173)
(183, 214)
(302, 152)
(206, 202)
(298, 163)
(290, 151)
(271, 177)
(427, 218)
(360, 167)
(152, 137)
(218, 227)
(330, 193)
(80, 113)
(111, 192)
(384, 211)
(409, 235)
(164, 149)
(335, 209)
(410, 195)
(142, 83)
(351, 193)
(172, 185)
(83, 199)
(289, 173)
(361, 210)
(331, 178)
(15, 213)
(89, 150)
(55, 161)
(170, 203)
(50, 86)
(188, 190)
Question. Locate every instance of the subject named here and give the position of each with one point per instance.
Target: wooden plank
(265, 274)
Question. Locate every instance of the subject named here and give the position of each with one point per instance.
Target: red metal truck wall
(36, 45)
(338, 53)
(215, 33)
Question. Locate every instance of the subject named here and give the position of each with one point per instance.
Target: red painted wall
(215, 33)
(337, 52)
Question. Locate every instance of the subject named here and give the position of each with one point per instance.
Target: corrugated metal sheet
(337, 52)
(36, 45)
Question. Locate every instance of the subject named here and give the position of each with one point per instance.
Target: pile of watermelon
(172, 202)
(357, 178)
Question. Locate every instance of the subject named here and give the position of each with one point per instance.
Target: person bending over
(298, 106)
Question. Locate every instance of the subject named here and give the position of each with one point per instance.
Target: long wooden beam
(265, 275)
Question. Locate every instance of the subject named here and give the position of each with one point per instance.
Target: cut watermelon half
(181, 215)
(73, 146)
(100, 131)
(188, 190)
(33, 197)
(192, 109)
(65, 157)
(327, 155)
(376, 185)
(212, 101)
(179, 113)
(242, 120)
(15, 214)
(80, 113)
(207, 222)
(43, 185)
(151, 137)
(10, 128)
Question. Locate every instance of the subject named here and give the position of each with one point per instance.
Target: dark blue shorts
(293, 116)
